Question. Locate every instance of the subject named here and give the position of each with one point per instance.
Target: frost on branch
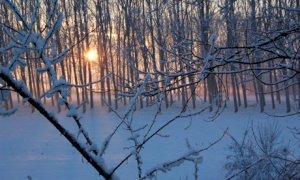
(72, 112)
(261, 155)
(139, 90)
(60, 86)
(193, 155)
(169, 165)
(208, 60)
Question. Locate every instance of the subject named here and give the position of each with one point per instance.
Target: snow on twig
(139, 91)
(192, 155)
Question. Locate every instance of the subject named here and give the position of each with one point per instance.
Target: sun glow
(91, 55)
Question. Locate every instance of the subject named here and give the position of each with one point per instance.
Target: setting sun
(91, 55)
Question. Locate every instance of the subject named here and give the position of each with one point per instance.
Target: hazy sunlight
(91, 55)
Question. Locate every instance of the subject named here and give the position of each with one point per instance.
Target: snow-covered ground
(31, 148)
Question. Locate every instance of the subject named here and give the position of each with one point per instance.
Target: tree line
(193, 50)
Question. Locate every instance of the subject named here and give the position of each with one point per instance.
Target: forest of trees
(149, 51)
(192, 50)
